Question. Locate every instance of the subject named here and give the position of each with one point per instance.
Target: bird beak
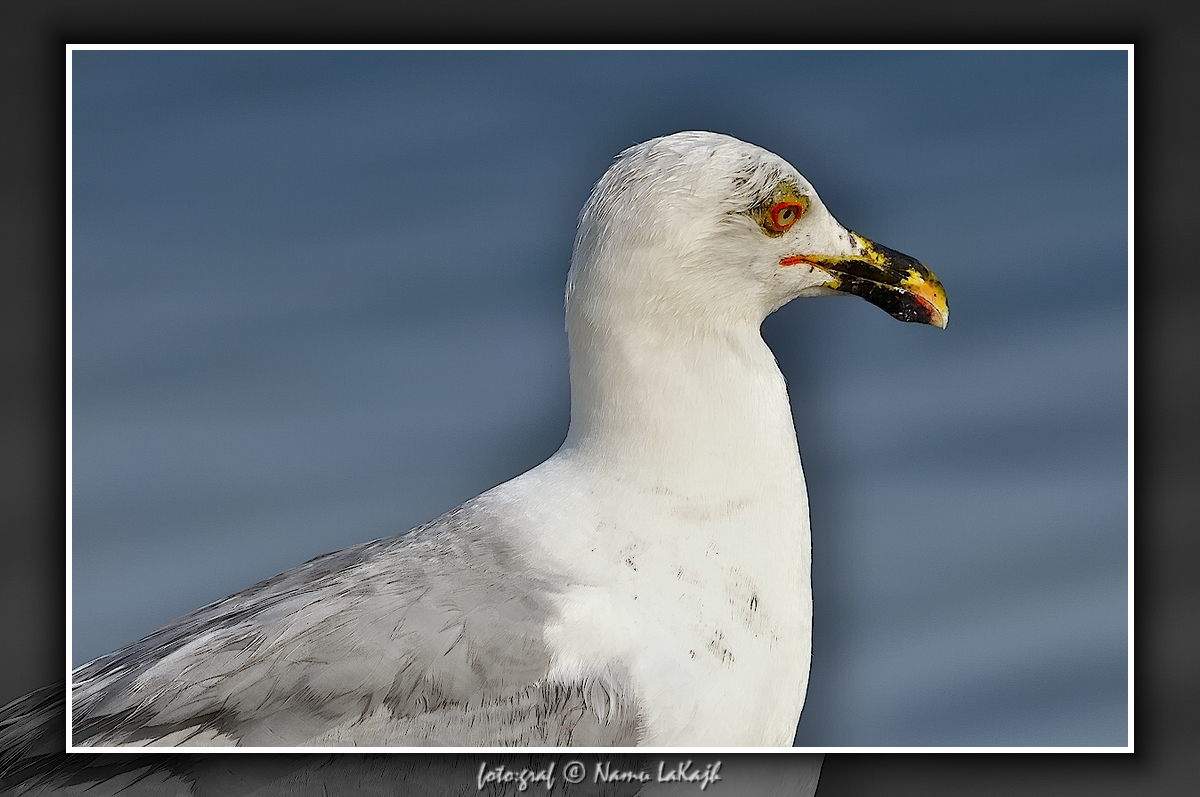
(899, 284)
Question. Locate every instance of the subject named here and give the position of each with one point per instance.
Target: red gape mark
(796, 260)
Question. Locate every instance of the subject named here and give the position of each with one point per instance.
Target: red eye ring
(785, 214)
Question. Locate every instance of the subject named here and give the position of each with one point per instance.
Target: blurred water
(318, 299)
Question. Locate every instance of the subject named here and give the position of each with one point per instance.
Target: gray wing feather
(433, 637)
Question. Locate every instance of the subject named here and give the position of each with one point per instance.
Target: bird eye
(784, 215)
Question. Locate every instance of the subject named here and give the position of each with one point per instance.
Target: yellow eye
(784, 215)
(778, 212)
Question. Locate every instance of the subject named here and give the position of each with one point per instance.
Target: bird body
(647, 585)
(696, 634)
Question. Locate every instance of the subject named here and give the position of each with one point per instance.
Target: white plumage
(646, 585)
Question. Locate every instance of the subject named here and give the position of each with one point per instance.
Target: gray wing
(433, 637)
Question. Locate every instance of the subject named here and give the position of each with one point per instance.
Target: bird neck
(696, 405)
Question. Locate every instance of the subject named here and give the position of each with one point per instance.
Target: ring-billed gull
(646, 585)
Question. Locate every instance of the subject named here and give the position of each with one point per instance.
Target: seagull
(647, 585)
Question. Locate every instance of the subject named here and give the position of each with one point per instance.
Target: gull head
(699, 229)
